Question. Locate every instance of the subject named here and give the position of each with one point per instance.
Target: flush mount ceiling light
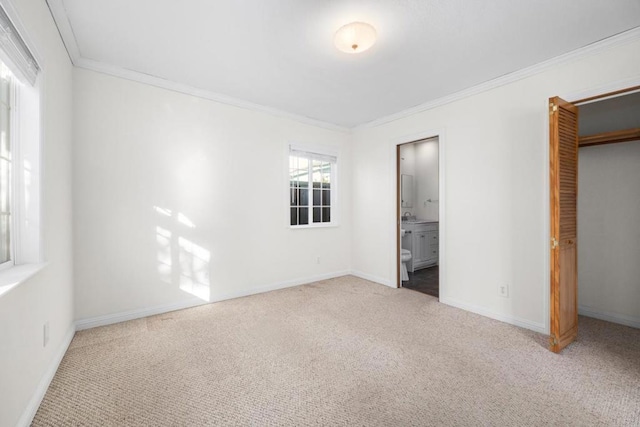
(355, 37)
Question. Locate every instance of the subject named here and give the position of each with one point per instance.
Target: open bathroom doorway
(418, 207)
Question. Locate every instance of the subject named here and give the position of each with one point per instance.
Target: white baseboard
(512, 320)
(622, 319)
(279, 285)
(123, 316)
(372, 278)
(33, 405)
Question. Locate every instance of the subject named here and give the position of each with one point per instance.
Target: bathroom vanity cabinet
(421, 239)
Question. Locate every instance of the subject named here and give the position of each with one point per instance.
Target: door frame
(394, 164)
(578, 98)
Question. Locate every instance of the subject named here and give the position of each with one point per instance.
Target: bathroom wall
(426, 172)
(609, 232)
(495, 230)
(408, 167)
(420, 160)
(180, 200)
(26, 365)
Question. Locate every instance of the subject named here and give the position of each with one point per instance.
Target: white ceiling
(280, 53)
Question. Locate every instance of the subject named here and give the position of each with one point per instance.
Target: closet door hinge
(553, 341)
(552, 108)
(554, 243)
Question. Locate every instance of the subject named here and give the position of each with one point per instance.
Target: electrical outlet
(503, 290)
(45, 334)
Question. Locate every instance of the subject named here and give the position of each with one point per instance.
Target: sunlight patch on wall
(180, 261)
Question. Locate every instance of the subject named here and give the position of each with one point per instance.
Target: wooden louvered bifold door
(563, 140)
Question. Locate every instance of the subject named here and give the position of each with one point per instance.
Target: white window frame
(26, 133)
(14, 185)
(320, 152)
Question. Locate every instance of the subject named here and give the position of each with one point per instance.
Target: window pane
(326, 197)
(304, 197)
(5, 150)
(316, 215)
(326, 214)
(303, 175)
(5, 254)
(5, 185)
(293, 168)
(293, 196)
(304, 216)
(5, 90)
(316, 197)
(294, 216)
(317, 171)
(303, 163)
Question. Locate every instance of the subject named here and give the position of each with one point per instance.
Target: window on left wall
(20, 136)
(6, 181)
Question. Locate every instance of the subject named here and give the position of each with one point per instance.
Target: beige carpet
(342, 352)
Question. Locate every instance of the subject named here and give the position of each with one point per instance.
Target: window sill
(325, 225)
(12, 277)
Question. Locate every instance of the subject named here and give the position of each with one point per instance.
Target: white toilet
(405, 256)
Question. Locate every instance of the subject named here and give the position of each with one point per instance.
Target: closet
(595, 212)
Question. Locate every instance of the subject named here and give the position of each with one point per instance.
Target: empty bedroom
(219, 213)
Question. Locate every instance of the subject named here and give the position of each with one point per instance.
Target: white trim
(546, 222)
(16, 274)
(372, 278)
(150, 80)
(11, 12)
(593, 48)
(621, 319)
(33, 405)
(58, 12)
(512, 320)
(123, 316)
(599, 90)
(61, 20)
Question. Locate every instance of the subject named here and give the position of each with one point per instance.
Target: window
(5, 166)
(312, 187)
(19, 153)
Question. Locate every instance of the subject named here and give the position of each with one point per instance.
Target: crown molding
(61, 19)
(151, 80)
(615, 40)
(59, 14)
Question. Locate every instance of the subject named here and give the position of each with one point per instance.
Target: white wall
(609, 232)
(496, 194)
(427, 179)
(420, 160)
(48, 296)
(141, 151)
(408, 167)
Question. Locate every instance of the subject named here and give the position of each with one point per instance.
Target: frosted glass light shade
(355, 37)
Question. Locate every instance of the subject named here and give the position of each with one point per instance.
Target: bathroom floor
(425, 280)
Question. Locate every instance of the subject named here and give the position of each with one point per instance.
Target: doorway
(577, 126)
(418, 207)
